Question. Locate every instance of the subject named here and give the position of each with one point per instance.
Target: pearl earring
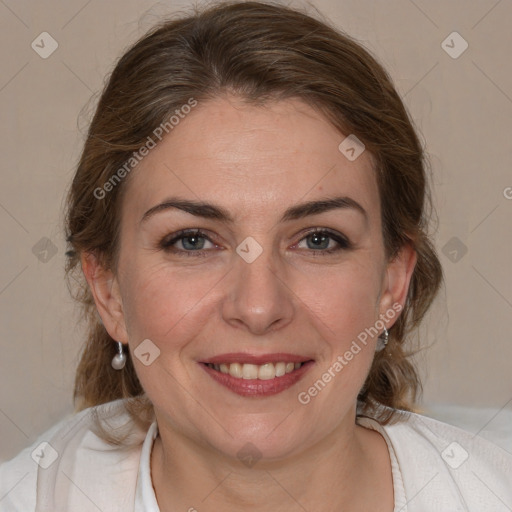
(119, 360)
(382, 340)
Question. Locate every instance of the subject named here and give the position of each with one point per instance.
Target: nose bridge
(258, 296)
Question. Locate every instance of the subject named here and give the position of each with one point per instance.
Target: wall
(462, 106)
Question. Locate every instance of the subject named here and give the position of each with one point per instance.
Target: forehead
(251, 159)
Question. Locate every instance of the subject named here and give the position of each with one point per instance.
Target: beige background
(462, 106)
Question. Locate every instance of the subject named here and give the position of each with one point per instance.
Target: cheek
(159, 302)
(163, 303)
(346, 307)
(165, 307)
(346, 298)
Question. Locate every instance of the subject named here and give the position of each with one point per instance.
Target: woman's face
(259, 288)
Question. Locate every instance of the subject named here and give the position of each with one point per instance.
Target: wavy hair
(261, 52)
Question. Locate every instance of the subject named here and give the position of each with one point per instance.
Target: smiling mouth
(257, 375)
(250, 371)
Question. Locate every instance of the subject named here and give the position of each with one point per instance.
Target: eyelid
(320, 229)
(168, 242)
(342, 240)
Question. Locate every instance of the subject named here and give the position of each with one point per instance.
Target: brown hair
(260, 52)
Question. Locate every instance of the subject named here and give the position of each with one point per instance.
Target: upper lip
(259, 359)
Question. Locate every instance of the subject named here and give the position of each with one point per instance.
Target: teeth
(280, 369)
(249, 371)
(235, 370)
(265, 371)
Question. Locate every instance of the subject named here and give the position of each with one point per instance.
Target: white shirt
(435, 466)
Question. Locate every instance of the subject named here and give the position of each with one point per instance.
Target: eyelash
(167, 245)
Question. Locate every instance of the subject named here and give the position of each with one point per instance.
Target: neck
(346, 471)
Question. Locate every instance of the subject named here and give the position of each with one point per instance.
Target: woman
(250, 216)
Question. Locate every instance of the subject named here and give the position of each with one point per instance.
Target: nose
(258, 296)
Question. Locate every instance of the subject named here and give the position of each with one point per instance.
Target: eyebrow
(212, 211)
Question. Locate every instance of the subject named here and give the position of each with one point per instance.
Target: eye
(191, 241)
(320, 241)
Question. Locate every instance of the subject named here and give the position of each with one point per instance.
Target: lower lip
(257, 387)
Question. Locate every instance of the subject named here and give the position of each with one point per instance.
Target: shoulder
(71, 455)
(442, 464)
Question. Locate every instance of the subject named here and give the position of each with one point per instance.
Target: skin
(254, 161)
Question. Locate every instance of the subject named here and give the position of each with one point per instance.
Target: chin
(256, 439)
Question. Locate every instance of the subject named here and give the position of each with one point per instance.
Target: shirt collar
(145, 499)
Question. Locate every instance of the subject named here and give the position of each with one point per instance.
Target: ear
(105, 290)
(399, 271)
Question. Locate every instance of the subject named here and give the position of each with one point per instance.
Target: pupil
(318, 239)
(194, 239)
